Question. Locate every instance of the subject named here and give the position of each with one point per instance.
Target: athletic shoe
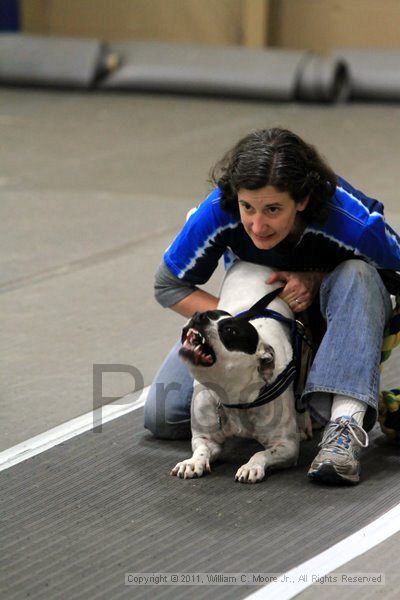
(338, 461)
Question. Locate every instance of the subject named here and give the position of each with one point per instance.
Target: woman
(276, 202)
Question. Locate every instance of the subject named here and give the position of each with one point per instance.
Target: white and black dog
(232, 358)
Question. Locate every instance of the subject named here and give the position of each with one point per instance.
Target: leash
(291, 373)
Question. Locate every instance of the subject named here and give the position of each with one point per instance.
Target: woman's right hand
(300, 287)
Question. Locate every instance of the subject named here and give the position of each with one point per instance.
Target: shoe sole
(328, 474)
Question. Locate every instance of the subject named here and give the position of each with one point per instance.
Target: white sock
(343, 406)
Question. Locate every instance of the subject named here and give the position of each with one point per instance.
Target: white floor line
(42, 442)
(293, 582)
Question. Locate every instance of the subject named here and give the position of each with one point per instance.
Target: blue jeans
(355, 306)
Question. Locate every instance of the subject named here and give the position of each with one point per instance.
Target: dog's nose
(200, 317)
(204, 317)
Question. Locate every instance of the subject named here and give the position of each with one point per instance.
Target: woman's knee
(167, 407)
(356, 283)
(167, 412)
(357, 270)
(353, 275)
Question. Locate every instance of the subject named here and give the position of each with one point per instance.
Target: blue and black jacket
(355, 228)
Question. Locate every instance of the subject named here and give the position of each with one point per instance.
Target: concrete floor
(94, 186)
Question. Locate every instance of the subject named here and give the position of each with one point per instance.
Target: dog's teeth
(197, 348)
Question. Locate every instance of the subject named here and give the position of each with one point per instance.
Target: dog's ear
(266, 361)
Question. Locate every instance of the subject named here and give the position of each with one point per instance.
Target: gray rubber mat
(269, 74)
(50, 61)
(374, 73)
(78, 517)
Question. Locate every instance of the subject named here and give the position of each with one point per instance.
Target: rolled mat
(51, 61)
(269, 74)
(323, 80)
(373, 74)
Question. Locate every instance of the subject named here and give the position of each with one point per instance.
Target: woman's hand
(300, 288)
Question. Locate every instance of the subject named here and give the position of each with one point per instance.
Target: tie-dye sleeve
(194, 254)
(380, 244)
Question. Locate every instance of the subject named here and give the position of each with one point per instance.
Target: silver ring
(298, 301)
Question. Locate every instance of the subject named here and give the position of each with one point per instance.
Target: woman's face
(268, 216)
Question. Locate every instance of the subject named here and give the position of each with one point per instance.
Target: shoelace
(346, 430)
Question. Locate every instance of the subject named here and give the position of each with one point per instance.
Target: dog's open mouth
(196, 349)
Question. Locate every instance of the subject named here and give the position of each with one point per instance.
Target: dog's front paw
(187, 469)
(250, 473)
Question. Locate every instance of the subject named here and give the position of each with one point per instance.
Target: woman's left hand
(300, 288)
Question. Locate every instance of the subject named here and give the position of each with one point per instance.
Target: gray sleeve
(168, 289)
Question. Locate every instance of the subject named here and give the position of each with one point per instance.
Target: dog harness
(291, 373)
(389, 400)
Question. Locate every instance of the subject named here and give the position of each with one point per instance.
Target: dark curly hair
(279, 158)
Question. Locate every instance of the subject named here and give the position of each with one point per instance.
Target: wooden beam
(34, 16)
(255, 23)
